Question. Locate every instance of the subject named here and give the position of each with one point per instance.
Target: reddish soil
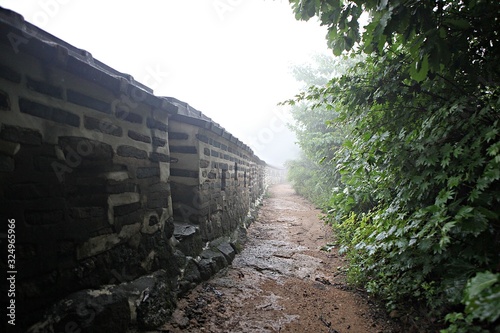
(282, 281)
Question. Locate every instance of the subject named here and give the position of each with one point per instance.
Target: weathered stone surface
(183, 173)
(129, 151)
(184, 149)
(191, 272)
(10, 74)
(4, 101)
(21, 135)
(152, 123)
(139, 137)
(49, 113)
(126, 209)
(148, 172)
(87, 101)
(147, 301)
(44, 88)
(102, 126)
(177, 136)
(159, 157)
(122, 187)
(85, 149)
(128, 116)
(157, 304)
(228, 251)
(206, 268)
(6, 163)
(88, 311)
(216, 257)
(189, 239)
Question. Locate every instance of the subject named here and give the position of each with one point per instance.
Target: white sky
(229, 59)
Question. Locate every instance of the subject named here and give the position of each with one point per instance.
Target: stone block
(183, 173)
(21, 135)
(44, 88)
(206, 268)
(177, 136)
(9, 148)
(129, 151)
(191, 272)
(202, 138)
(6, 163)
(4, 101)
(147, 172)
(102, 126)
(121, 188)
(49, 113)
(128, 116)
(204, 163)
(44, 217)
(126, 209)
(216, 257)
(157, 305)
(139, 137)
(228, 251)
(10, 74)
(134, 217)
(159, 142)
(206, 151)
(155, 124)
(189, 239)
(85, 148)
(157, 200)
(184, 149)
(87, 101)
(159, 157)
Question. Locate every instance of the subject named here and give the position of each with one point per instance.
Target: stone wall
(214, 176)
(115, 192)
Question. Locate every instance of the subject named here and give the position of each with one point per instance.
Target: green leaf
(479, 283)
(419, 69)
(482, 296)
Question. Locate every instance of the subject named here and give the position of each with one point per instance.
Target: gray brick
(10, 74)
(102, 126)
(159, 157)
(138, 136)
(184, 149)
(129, 151)
(177, 136)
(49, 113)
(21, 135)
(44, 88)
(87, 101)
(155, 124)
(6, 164)
(148, 172)
(4, 101)
(128, 116)
(159, 142)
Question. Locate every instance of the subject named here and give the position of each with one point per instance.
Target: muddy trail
(282, 281)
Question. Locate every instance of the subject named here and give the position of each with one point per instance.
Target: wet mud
(282, 281)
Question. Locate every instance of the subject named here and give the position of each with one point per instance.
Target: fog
(230, 59)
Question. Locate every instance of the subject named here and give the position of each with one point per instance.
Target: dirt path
(281, 281)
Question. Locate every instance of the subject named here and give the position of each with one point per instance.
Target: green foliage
(314, 175)
(413, 143)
